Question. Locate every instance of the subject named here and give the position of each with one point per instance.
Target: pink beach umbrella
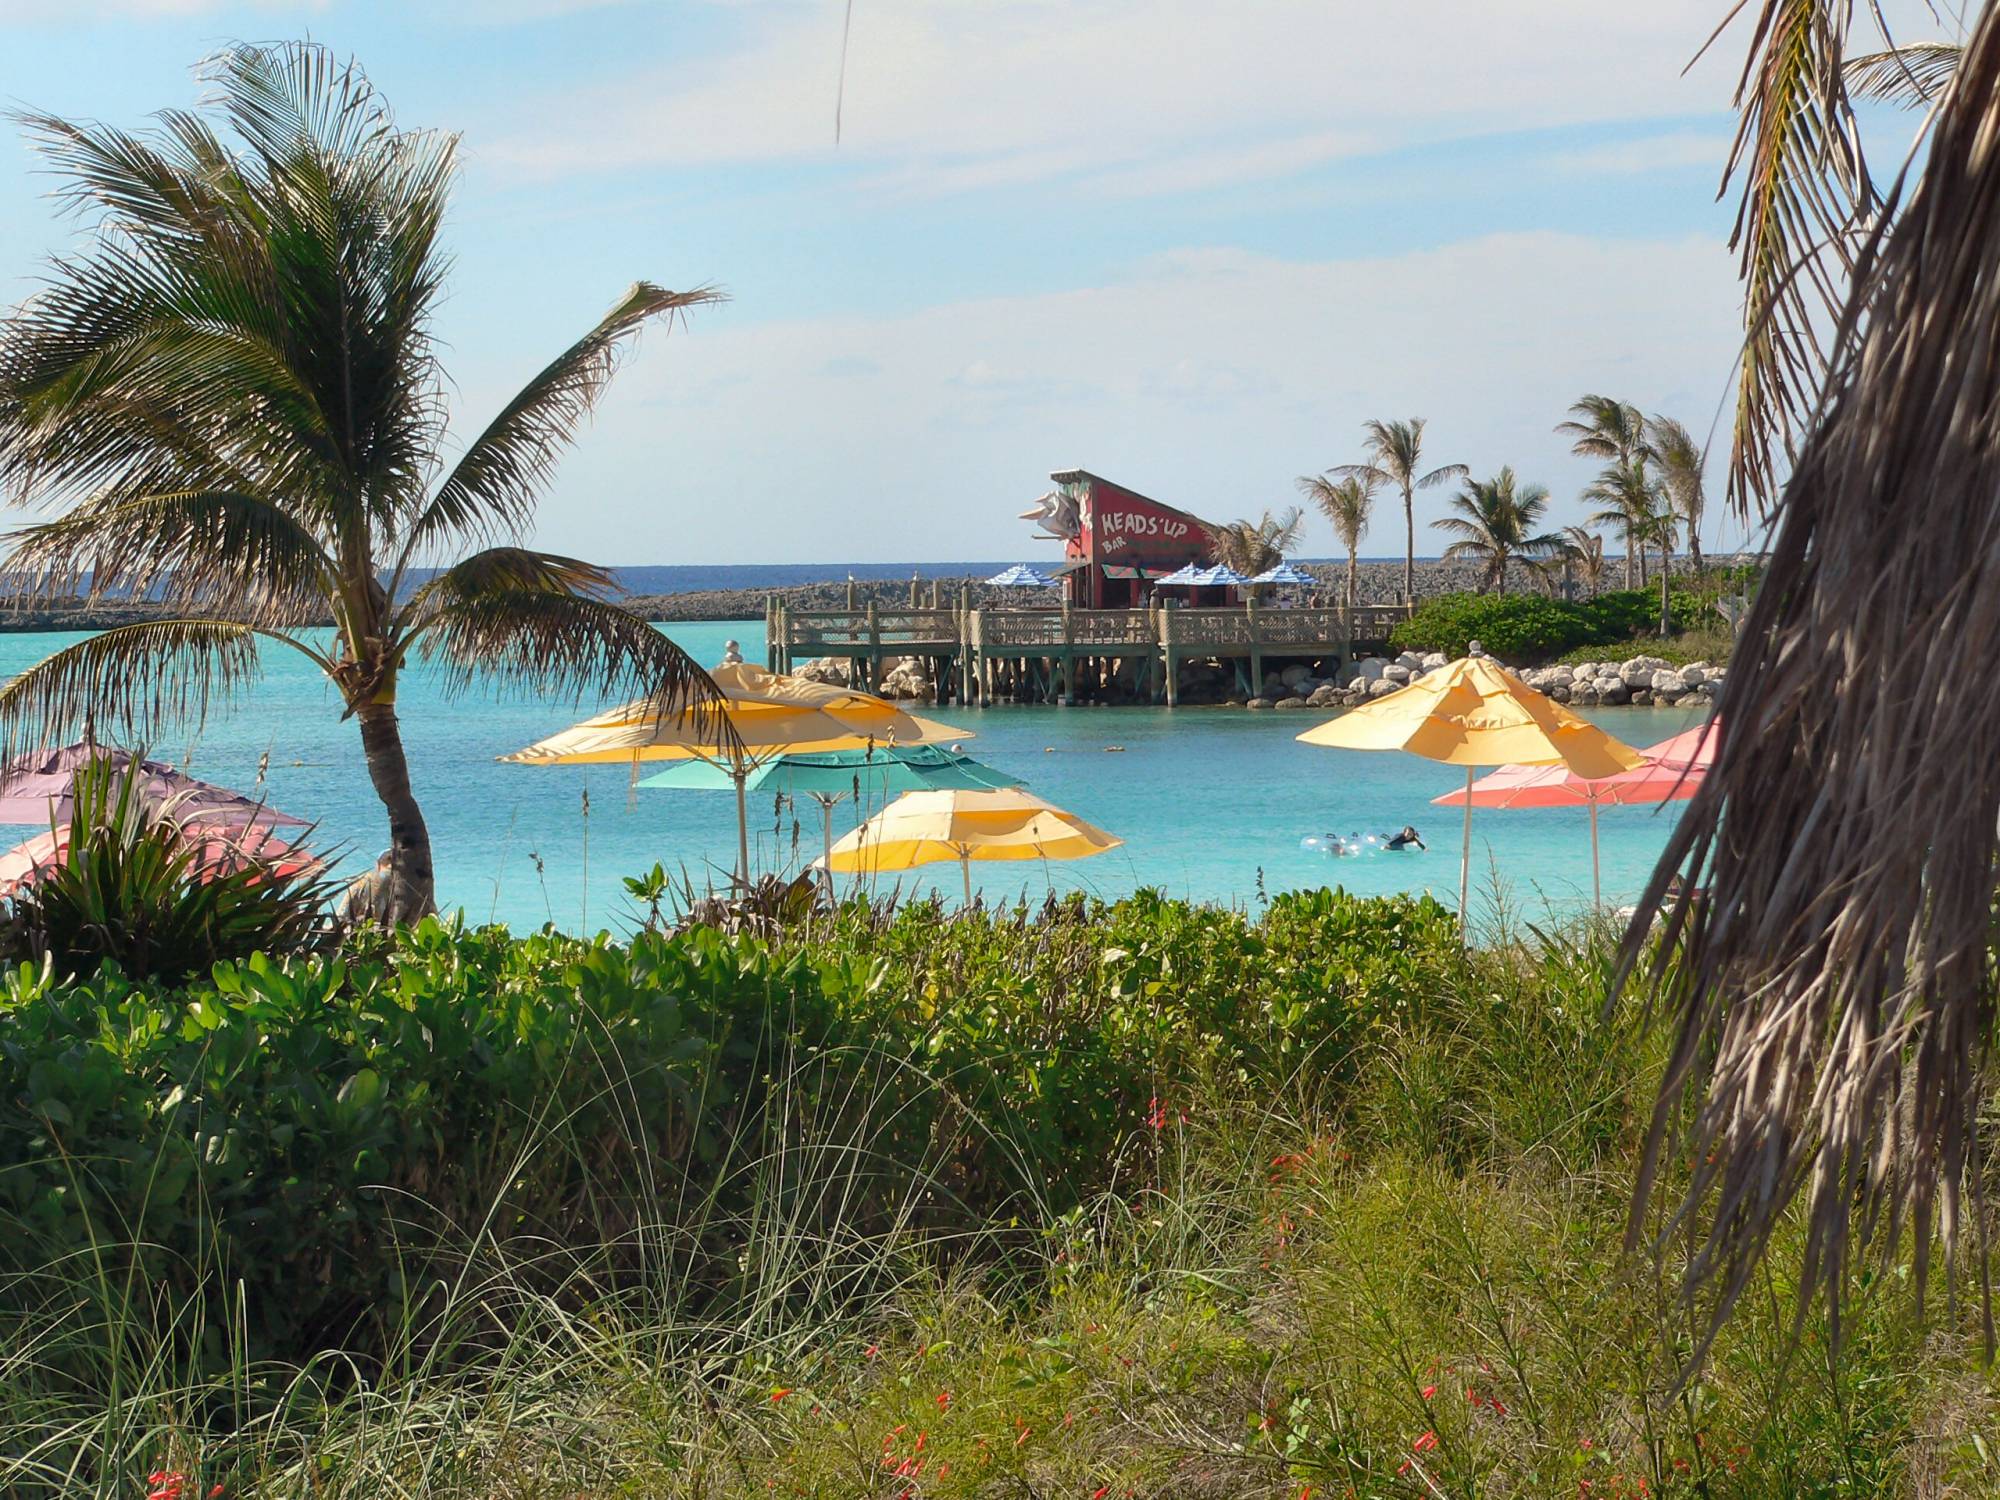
(219, 850)
(1673, 770)
(35, 789)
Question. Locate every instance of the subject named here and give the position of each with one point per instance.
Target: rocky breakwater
(1638, 681)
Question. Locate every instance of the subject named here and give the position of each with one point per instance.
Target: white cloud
(967, 93)
(1210, 379)
(1656, 153)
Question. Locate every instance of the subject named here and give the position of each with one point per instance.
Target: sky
(1191, 247)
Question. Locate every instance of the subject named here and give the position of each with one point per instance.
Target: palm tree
(1627, 499)
(1252, 547)
(232, 398)
(1828, 973)
(1496, 522)
(1583, 555)
(1395, 457)
(1346, 503)
(1613, 430)
(1679, 459)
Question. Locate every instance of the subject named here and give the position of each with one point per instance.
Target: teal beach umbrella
(831, 775)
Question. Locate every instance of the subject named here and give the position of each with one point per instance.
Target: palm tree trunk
(1500, 575)
(414, 881)
(1630, 542)
(1351, 565)
(1666, 607)
(1409, 545)
(1694, 549)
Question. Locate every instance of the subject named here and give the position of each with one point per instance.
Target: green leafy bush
(1518, 628)
(1529, 629)
(333, 1138)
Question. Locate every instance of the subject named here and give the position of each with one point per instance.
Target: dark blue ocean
(669, 579)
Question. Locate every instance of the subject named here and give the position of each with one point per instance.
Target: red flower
(1100, 1492)
(1156, 1114)
(1430, 1391)
(943, 1400)
(780, 1393)
(1424, 1443)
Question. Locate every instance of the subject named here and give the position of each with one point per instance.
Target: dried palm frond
(1807, 197)
(1911, 75)
(1835, 990)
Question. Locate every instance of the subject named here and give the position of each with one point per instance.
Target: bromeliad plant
(133, 886)
(234, 398)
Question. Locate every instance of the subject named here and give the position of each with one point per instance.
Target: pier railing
(1237, 630)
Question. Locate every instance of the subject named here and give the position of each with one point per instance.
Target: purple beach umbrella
(35, 788)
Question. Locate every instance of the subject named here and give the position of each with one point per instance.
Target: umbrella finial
(1473, 648)
(732, 654)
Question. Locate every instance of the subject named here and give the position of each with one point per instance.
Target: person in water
(1404, 839)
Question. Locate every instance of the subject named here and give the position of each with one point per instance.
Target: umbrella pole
(740, 774)
(1465, 857)
(1596, 881)
(965, 869)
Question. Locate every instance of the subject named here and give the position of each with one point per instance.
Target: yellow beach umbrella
(1475, 713)
(761, 716)
(922, 828)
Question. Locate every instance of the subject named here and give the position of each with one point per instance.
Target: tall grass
(1411, 1285)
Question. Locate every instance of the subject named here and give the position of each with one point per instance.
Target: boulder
(1692, 676)
(1641, 698)
(1435, 659)
(1396, 672)
(1413, 660)
(1324, 696)
(1559, 692)
(1368, 669)
(1258, 703)
(1383, 688)
(1292, 677)
(1561, 676)
(1613, 692)
(1666, 680)
(1292, 702)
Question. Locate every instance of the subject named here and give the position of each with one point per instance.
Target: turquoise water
(1208, 801)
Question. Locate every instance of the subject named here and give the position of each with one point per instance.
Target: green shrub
(334, 1138)
(1517, 628)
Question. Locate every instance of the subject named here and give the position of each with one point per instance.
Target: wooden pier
(1070, 655)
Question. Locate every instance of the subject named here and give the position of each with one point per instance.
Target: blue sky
(1189, 246)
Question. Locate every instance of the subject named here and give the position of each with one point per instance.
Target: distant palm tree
(1628, 499)
(1346, 503)
(1606, 428)
(234, 399)
(1252, 547)
(1679, 459)
(1395, 457)
(1496, 522)
(1583, 556)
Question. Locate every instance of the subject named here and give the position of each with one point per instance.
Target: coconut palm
(1583, 558)
(232, 399)
(1395, 457)
(1252, 547)
(1346, 503)
(1495, 523)
(1615, 431)
(1831, 980)
(1629, 500)
(1679, 459)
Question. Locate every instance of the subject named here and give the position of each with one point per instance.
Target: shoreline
(1376, 583)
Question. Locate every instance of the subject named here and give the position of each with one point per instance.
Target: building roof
(1079, 476)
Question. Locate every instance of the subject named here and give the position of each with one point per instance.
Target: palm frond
(1833, 985)
(494, 486)
(1912, 75)
(134, 681)
(1807, 197)
(565, 645)
(232, 551)
(502, 569)
(1441, 474)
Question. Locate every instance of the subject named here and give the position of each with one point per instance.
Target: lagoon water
(1210, 802)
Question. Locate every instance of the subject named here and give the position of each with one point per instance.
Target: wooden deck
(999, 655)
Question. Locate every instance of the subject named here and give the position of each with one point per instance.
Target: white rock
(1382, 688)
(1411, 659)
(1665, 680)
(1693, 676)
(1396, 672)
(1435, 659)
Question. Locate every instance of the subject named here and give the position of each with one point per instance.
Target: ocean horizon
(683, 578)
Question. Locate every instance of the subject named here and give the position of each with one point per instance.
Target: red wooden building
(1120, 541)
